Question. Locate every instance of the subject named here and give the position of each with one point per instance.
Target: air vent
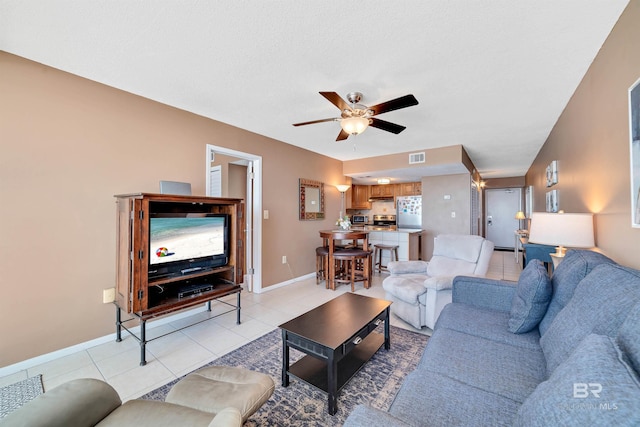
(416, 158)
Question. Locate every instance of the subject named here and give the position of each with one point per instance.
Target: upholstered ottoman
(214, 388)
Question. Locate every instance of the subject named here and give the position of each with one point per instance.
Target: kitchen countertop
(391, 228)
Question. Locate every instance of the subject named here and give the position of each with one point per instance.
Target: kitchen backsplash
(377, 208)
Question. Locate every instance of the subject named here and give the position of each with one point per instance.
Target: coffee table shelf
(314, 371)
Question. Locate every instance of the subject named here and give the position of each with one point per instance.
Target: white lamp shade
(573, 230)
(342, 187)
(354, 125)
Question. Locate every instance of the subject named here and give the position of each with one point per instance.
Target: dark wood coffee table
(338, 339)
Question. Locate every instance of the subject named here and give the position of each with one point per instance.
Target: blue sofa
(546, 351)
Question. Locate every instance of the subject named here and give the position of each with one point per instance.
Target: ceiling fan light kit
(355, 118)
(354, 125)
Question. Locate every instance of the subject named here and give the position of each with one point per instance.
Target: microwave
(359, 219)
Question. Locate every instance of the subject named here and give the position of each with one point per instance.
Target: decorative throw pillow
(531, 298)
(594, 386)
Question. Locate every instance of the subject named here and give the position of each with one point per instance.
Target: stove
(384, 220)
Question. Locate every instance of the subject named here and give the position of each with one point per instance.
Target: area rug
(15, 395)
(300, 404)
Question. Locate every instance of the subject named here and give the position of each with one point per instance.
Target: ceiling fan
(355, 118)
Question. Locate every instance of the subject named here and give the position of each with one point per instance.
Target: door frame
(253, 210)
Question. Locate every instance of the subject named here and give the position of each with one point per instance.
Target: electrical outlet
(453, 214)
(284, 259)
(108, 295)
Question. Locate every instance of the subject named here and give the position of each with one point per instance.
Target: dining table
(329, 238)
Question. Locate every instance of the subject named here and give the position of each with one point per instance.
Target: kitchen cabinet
(409, 189)
(384, 190)
(360, 197)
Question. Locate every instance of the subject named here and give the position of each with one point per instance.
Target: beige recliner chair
(420, 289)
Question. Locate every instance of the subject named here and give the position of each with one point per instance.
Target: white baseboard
(39, 360)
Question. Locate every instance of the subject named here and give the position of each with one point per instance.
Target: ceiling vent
(416, 158)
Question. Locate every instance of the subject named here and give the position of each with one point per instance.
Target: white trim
(287, 283)
(257, 205)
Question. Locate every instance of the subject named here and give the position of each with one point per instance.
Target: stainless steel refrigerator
(409, 212)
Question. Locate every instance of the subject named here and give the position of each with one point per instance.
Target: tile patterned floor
(178, 353)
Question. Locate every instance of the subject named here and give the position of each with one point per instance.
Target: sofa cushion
(531, 299)
(428, 398)
(600, 303)
(573, 268)
(142, 413)
(594, 386)
(628, 338)
(498, 368)
(485, 323)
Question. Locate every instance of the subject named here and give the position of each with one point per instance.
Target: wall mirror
(311, 199)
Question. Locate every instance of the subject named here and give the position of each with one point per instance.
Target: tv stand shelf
(179, 277)
(143, 291)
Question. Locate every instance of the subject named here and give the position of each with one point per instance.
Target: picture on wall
(552, 201)
(552, 173)
(634, 134)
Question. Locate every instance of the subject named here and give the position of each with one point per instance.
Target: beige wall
(591, 144)
(436, 210)
(68, 145)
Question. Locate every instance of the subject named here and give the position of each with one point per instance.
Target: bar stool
(377, 256)
(354, 267)
(322, 264)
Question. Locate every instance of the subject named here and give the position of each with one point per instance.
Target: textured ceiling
(493, 76)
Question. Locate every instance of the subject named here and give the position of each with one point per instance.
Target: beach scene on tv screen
(176, 239)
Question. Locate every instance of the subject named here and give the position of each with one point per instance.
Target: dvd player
(194, 290)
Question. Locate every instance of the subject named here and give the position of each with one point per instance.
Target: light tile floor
(178, 353)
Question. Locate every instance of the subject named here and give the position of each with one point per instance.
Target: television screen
(184, 238)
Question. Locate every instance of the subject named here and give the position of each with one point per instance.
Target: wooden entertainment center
(143, 295)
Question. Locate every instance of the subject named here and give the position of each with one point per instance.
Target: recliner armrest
(407, 267)
(439, 283)
(81, 402)
(483, 292)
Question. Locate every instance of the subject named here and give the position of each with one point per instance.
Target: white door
(502, 204)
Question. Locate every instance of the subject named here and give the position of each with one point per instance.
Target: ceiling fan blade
(394, 104)
(342, 135)
(315, 121)
(335, 99)
(388, 126)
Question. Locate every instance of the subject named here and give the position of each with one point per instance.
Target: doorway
(252, 208)
(501, 207)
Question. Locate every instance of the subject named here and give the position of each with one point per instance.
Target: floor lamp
(342, 188)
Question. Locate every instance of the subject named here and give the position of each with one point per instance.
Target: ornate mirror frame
(307, 200)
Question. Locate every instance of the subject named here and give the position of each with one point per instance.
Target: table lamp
(520, 216)
(574, 230)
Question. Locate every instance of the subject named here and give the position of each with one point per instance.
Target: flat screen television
(183, 243)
